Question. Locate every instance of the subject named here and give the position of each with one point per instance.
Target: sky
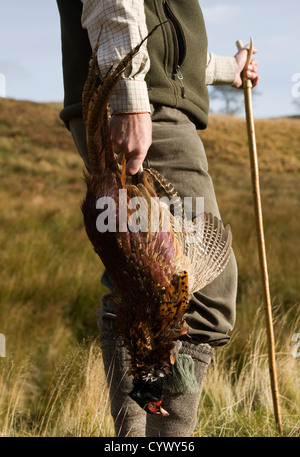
(30, 49)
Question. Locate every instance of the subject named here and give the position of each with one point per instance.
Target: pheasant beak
(155, 407)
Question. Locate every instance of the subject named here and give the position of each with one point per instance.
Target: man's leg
(178, 154)
(183, 406)
(129, 418)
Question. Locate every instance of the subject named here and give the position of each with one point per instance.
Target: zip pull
(180, 77)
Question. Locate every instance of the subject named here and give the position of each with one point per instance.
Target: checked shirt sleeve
(122, 26)
(220, 69)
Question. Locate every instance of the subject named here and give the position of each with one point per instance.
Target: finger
(254, 62)
(253, 65)
(251, 75)
(255, 81)
(133, 165)
(251, 70)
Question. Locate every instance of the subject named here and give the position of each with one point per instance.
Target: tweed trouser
(178, 153)
(129, 419)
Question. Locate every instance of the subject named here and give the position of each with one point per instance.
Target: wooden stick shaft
(247, 86)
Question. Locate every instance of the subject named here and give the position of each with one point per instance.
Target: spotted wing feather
(208, 249)
(205, 242)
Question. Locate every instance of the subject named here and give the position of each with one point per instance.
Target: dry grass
(238, 395)
(277, 142)
(52, 381)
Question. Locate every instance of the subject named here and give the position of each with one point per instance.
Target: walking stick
(247, 86)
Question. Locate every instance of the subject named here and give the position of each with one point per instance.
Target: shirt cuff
(220, 69)
(130, 96)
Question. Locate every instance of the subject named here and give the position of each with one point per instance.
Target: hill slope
(42, 186)
(50, 277)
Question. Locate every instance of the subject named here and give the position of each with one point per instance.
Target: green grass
(51, 380)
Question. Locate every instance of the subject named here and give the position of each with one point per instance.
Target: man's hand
(251, 70)
(131, 134)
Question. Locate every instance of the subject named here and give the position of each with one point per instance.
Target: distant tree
(232, 99)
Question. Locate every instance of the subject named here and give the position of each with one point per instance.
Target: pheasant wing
(208, 247)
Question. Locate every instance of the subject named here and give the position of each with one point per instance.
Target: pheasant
(155, 267)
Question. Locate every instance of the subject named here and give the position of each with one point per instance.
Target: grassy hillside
(51, 380)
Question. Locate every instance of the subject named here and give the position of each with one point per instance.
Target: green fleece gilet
(180, 42)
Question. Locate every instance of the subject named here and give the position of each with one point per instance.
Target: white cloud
(219, 14)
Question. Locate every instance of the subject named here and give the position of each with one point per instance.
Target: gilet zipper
(179, 44)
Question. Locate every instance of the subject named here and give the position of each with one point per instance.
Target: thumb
(134, 164)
